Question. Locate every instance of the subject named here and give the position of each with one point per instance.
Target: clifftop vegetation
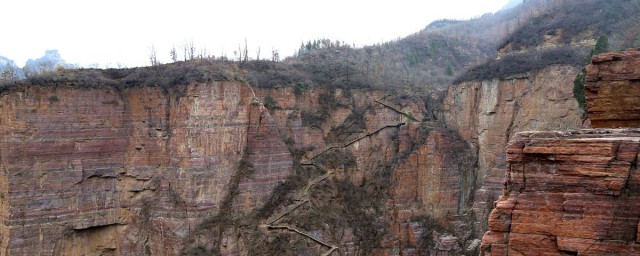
(562, 33)
(571, 21)
(445, 52)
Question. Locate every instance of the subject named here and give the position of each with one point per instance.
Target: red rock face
(487, 114)
(143, 170)
(90, 171)
(573, 193)
(613, 89)
(576, 192)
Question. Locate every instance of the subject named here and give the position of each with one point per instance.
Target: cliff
(568, 193)
(488, 113)
(90, 171)
(613, 89)
(575, 192)
(205, 168)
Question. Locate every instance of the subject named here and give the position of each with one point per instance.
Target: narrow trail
(305, 197)
(392, 107)
(348, 143)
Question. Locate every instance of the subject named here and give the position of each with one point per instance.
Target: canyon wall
(488, 113)
(568, 193)
(576, 192)
(91, 171)
(612, 90)
(206, 168)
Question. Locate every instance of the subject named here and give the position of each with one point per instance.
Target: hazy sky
(122, 31)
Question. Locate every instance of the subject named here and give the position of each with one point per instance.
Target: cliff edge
(576, 192)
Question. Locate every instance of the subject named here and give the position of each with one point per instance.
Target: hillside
(563, 33)
(390, 149)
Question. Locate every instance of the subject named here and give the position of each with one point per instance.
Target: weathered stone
(133, 169)
(613, 89)
(588, 205)
(488, 113)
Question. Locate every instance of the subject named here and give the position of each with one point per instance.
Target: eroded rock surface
(488, 113)
(202, 168)
(136, 169)
(568, 193)
(613, 89)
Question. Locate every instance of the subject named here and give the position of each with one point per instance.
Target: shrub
(270, 103)
(578, 90)
(298, 88)
(522, 63)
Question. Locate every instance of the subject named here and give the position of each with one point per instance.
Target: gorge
(436, 144)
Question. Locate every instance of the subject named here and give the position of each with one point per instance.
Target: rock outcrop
(488, 113)
(90, 171)
(201, 168)
(568, 193)
(576, 192)
(613, 89)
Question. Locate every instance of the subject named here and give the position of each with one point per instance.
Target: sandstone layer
(568, 193)
(200, 168)
(613, 89)
(488, 113)
(100, 171)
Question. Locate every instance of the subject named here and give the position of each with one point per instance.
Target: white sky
(122, 31)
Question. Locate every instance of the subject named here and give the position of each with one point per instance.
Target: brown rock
(128, 172)
(488, 113)
(587, 202)
(613, 89)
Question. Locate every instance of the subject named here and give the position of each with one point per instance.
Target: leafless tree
(9, 73)
(246, 51)
(174, 54)
(192, 51)
(153, 56)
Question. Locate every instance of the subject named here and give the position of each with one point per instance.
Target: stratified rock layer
(613, 89)
(568, 193)
(488, 113)
(100, 171)
(200, 168)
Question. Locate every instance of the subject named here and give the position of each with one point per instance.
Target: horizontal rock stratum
(613, 89)
(568, 193)
(576, 192)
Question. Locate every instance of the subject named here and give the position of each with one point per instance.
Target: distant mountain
(49, 62)
(442, 23)
(9, 71)
(4, 61)
(511, 4)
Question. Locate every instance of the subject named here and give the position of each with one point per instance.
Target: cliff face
(137, 168)
(613, 89)
(568, 193)
(206, 168)
(576, 192)
(488, 113)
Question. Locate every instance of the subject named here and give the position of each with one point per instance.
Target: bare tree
(185, 49)
(9, 73)
(275, 55)
(153, 56)
(246, 51)
(192, 51)
(46, 66)
(174, 55)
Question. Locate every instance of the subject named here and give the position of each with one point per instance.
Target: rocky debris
(574, 192)
(612, 90)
